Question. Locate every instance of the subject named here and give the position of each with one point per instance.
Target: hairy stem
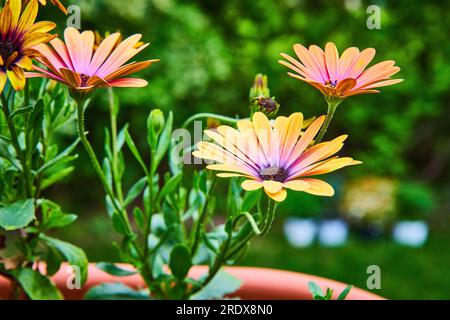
(90, 151)
(332, 105)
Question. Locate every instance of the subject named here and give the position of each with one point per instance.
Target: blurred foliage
(414, 200)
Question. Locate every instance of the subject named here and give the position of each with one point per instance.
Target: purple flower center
(274, 173)
(331, 84)
(84, 80)
(7, 48)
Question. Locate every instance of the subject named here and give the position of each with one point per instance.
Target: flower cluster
(258, 152)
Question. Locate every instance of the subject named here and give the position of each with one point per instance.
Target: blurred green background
(210, 52)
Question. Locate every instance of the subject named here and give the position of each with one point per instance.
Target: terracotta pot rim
(258, 283)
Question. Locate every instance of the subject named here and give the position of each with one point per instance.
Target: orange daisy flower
(18, 35)
(274, 155)
(81, 67)
(340, 77)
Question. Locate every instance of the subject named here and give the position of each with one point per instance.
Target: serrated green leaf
(37, 286)
(17, 214)
(73, 254)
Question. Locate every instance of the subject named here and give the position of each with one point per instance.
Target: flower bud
(259, 88)
(155, 125)
(260, 99)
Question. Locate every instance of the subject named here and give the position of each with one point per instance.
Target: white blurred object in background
(333, 232)
(411, 233)
(299, 232)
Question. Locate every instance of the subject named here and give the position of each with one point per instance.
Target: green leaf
(34, 126)
(20, 111)
(132, 146)
(17, 214)
(222, 284)
(53, 217)
(57, 176)
(170, 185)
(115, 291)
(74, 255)
(37, 286)
(135, 190)
(106, 166)
(315, 290)
(114, 270)
(329, 294)
(344, 293)
(53, 260)
(59, 157)
(180, 261)
(121, 137)
(139, 218)
(164, 142)
(118, 224)
(250, 200)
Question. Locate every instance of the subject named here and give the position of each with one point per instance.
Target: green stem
(200, 221)
(209, 115)
(115, 170)
(217, 263)
(332, 105)
(265, 226)
(270, 216)
(87, 146)
(16, 146)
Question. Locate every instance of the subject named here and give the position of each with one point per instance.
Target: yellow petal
(25, 63)
(2, 80)
(290, 134)
(271, 186)
(16, 7)
(251, 185)
(41, 26)
(279, 196)
(231, 175)
(330, 166)
(17, 78)
(305, 140)
(319, 188)
(263, 131)
(296, 185)
(5, 19)
(28, 15)
(229, 167)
